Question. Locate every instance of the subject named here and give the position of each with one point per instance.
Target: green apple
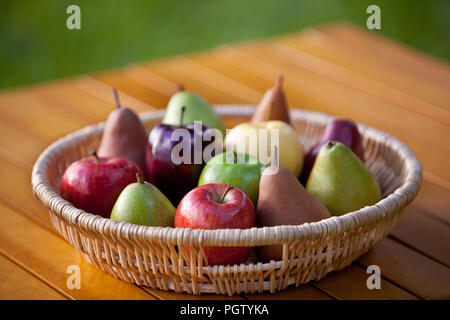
(258, 139)
(197, 109)
(341, 181)
(143, 204)
(238, 169)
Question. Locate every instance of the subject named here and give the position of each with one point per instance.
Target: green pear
(341, 181)
(197, 109)
(143, 204)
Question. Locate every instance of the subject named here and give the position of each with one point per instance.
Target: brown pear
(124, 136)
(273, 105)
(284, 201)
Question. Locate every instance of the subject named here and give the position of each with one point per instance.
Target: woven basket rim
(255, 236)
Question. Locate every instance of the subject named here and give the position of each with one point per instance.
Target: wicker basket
(156, 257)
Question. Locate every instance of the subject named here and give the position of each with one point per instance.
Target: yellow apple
(258, 139)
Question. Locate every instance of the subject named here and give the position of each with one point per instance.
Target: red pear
(273, 105)
(284, 201)
(124, 136)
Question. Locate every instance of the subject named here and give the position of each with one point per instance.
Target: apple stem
(225, 193)
(95, 155)
(180, 87)
(275, 157)
(183, 109)
(140, 178)
(331, 144)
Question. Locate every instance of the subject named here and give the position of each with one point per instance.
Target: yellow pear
(258, 139)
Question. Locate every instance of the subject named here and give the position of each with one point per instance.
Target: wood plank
(434, 200)
(119, 80)
(295, 52)
(311, 91)
(302, 292)
(71, 99)
(17, 284)
(169, 295)
(179, 70)
(19, 146)
(150, 80)
(38, 118)
(372, 68)
(402, 58)
(409, 269)
(425, 234)
(48, 256)
(16, 192)
(103, 91)
(56, 109)
(350, 283)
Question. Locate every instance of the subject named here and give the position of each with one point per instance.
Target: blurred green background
(36, 45)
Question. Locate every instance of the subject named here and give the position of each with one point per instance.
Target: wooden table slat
(17, 194)
(409, 269)
(17, 284)
(351, 283)
(425, 234)
(295, 53)
(394, 55)
(49, 256)
(434, 200)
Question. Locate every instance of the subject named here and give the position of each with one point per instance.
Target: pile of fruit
(135, 178)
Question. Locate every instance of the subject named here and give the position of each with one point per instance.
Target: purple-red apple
(175, 156)
(217, 206)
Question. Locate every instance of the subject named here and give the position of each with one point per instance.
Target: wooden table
(337, 69)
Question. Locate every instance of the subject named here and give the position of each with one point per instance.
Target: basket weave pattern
(157, 257)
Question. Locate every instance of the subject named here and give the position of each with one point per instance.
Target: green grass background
(36, 45)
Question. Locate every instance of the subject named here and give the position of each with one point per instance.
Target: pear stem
(279, 81)
(116, 97)
(180, 87)
(183, 109)
(269, 114)
(95, 155)
(275, 157)
(140, 178)
(235, 159)
(225, 193)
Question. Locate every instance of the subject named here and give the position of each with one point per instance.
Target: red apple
(94, 183)
(217, 206)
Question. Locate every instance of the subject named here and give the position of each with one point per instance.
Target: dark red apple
(172, 178)
(94, 183)
(342, 130)
(217, 206)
